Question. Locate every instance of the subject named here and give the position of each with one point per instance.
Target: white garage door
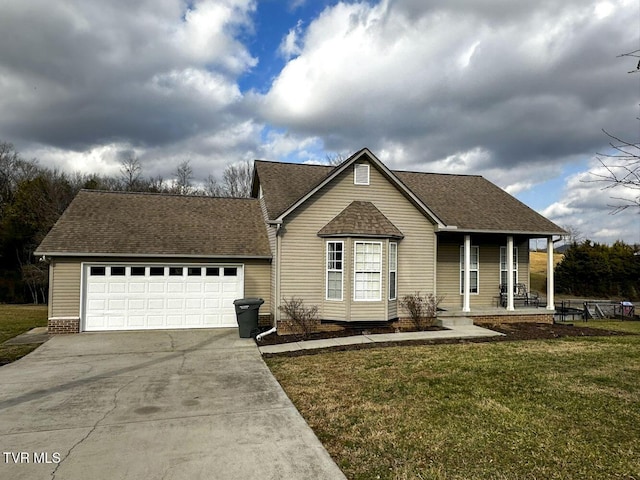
(143, 297)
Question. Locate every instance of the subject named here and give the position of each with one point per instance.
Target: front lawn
(553, 409)
(17, 319)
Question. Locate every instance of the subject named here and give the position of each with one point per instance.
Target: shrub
(303, 318)
(421, 309)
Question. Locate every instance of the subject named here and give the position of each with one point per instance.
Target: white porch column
(467, 274)
(510, 285)
(550, 285)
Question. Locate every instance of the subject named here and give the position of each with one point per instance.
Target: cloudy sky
(514, 90)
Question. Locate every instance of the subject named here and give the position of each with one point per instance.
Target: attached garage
(140, 261)
(141, 297)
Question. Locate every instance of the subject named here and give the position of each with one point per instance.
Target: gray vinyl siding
(66, 278)
(303, 252)
(448, 276)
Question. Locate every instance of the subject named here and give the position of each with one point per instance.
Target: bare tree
(622, 165)
(213, 188)
(237, 179)
(184, 175)
(621, 170)
(574, 234)
(335, 159)
(130, 172)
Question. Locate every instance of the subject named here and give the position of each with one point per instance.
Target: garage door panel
(193, 287)
(156, 304)
(194, 304)
(137, 287)
(116, 321)
(202, 297)
(135, 320)
(98, 287)
(155, 320)
(157, 287)
(175, 303)
(119, 287)
(118, 304)
(135, 304)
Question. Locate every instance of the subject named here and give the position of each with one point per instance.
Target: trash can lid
(248, 301)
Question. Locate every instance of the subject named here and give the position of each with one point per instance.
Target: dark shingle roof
(155, 224)
(468, 202)
(284, 183)
(362, 219)
(471, 202)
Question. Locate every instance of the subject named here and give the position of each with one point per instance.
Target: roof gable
(143, 224)
(360, 219)
(296, 181)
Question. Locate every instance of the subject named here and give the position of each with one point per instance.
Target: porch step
(454, 321)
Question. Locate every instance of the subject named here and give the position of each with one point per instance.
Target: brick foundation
(265, 320)
(58, 326)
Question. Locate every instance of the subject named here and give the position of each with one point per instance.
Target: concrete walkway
(452, 332)
(190, 404)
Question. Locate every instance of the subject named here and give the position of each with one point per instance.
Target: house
(351, 239)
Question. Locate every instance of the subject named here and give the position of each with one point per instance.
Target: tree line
(32, 198)
(597, 270)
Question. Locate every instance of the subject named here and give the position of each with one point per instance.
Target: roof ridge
(162, 194)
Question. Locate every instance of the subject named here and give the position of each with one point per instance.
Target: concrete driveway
(152, 405)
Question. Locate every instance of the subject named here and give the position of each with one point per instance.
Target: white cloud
(290, 45)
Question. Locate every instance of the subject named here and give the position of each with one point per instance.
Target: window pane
(392, 285)
(97, 271)
(156, 271)
(213, 272)
(230, 271)
(175, 271)
(117, 271)
(137, 271)
(334, 285)
(194, 271)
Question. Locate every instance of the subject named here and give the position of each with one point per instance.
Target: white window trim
(355, 248)
(393, 269)
(356, 167)
(327, 270)
(477, 269)
(503, 255)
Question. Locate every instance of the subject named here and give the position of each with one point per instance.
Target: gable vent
(361, 174)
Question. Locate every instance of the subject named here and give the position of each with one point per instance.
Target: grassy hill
(539, 269)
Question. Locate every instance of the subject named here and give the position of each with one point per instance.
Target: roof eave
(148, 255)
(359, 235)
(541, 233)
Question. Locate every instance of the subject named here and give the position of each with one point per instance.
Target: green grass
(17, 319)
(626, 326)
(558, 409)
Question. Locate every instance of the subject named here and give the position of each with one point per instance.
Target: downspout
(260, 336)
(278, 251)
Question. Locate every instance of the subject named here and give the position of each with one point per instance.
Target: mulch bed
(512, 331)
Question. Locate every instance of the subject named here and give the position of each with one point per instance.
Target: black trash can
(247, 315)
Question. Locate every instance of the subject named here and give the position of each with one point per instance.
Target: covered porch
(487, 274)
